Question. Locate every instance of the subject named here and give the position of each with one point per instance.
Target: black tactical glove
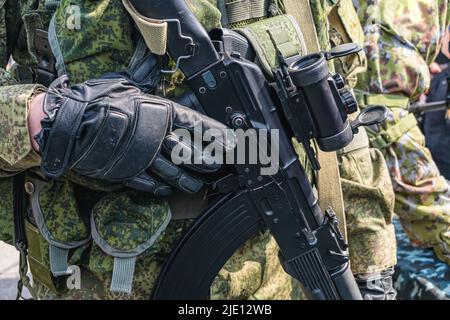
(109, 129)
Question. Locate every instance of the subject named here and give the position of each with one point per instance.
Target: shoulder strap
(20, 239)
(328, 178)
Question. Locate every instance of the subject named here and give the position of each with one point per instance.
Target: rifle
(429, 106)
(229, 88)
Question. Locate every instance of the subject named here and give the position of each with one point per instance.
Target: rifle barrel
(429, 106)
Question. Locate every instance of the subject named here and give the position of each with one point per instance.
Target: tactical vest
(72, 215)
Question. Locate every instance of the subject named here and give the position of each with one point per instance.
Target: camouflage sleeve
(402, 40)
(16, 152)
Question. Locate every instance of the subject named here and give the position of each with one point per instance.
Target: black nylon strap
(20, 240)
(61, 139)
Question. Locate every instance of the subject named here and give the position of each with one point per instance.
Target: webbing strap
(301, 11)
(385, 138)
(58, 260)
(282, 42)
(328, 178)
(153, 31)
(241, 10)
(123, 273)
(20, 239)
(388, 100)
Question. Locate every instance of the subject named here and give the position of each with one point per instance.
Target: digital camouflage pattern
(260, 277)
(6, 223)
(127, 220)
(419, 274)
(15, 146)
(371, 237)
(60, 212)
(103, 42)
(254, 271)
(401, 41)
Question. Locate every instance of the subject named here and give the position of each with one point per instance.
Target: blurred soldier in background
(402, 39)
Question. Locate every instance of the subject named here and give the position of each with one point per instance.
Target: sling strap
(328, 178)
(384, 138)
(241, 10)
(153, 31)
(20, 239)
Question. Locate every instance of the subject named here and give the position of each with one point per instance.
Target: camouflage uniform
(107, 42)
(402, 40)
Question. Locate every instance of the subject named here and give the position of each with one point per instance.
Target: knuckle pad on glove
(104, 128)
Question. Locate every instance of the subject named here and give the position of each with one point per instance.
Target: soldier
(401, 41)
(84, 220)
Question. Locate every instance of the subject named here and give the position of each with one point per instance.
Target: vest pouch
(280, 33)
(124, 226)
(346, 28)
(56, 215)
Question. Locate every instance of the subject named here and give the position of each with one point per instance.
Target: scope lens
(373, 115)
(305, 62)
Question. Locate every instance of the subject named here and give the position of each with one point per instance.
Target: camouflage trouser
(369, 202)
(422, 195)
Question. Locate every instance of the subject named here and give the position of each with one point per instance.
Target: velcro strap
(61, 138)
(58, 260)
(385, 138)
(123, 274)
(388, 100)
(283, 43)
(280, 33)
(241, 10)
(153, 31)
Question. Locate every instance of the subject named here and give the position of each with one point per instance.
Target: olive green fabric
(268, 36)
(6, 207)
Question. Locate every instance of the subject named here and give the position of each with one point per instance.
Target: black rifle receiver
(234, 91)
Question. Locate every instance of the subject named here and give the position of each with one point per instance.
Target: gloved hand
(109, 129)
